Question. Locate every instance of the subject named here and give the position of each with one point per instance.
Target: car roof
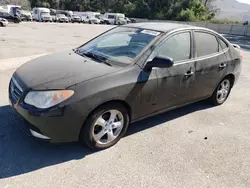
(160, 26)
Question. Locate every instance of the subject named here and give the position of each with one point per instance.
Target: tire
(90, 129)
(1, 24)
(90, 22)
(221, 92)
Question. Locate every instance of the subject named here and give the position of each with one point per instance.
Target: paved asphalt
(195, 146)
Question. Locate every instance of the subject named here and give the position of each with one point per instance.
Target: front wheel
(222, 92)
(105, 126)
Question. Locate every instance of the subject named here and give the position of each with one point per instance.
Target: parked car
(133, 20)
(10, 18)
(91, 17)
(61, 18)
(127, 20)
(46, 17)
(26, 16)
(3, 22)
(131, 72)
(245, 23)
(76, 18)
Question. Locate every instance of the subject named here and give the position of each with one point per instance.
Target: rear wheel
(1, 24)
(222, 91)
(105, 126)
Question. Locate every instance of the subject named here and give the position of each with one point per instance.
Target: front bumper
(76, 19)
(47, 19)
(63, 20)
(95, 21)
(56, 126)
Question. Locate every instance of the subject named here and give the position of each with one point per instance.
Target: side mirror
(159, 61)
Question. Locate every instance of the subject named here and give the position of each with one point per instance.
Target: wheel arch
(116, 101)
(231, 77)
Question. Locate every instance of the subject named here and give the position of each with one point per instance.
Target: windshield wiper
(93, 56)
(97, 57)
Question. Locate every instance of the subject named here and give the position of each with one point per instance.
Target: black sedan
(92, 93)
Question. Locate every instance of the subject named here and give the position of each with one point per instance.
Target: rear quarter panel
(234, 65)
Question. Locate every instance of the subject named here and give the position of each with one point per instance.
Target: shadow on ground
(243, 41)
(20, 154)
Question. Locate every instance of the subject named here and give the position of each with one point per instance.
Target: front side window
(122, 44)
(206, 44)
(177, 47)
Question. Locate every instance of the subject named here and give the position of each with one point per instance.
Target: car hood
(60, 70)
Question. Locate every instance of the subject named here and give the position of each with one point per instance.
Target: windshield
(97, 16)
(121, 16)
(122, 44)
(45, 14)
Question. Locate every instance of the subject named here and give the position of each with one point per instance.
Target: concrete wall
(221, 28)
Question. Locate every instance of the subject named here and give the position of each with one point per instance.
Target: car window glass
(115, 40)
(121, 44)
(111, 16)
(223, 44)
(176, 47)
(206, 44)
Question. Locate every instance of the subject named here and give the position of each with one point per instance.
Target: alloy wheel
(223, 91)
(108, 126)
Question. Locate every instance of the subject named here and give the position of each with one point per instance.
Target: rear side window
(223, 44)
(206, 44)
(177, 47)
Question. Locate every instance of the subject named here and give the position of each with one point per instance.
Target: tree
(188, 10)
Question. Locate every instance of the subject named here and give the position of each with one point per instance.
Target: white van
(41, 14)
(114, 19)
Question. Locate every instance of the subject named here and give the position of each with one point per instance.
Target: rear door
(211, 63)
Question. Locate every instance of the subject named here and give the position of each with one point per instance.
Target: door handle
(222, 65)
(189, 73)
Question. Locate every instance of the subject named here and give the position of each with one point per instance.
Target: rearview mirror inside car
(160, 62)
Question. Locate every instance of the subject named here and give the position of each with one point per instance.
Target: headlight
(47, 99)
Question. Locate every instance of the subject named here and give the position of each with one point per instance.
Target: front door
(175, 84)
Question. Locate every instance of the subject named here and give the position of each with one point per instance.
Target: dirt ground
(26, 39)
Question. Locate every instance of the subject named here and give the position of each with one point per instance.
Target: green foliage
(187, 15)
(184, 10)
(196, 11)
(225, 21)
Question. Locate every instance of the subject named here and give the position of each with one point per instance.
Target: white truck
(114, 19)
(13, 10)
(41, 14)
